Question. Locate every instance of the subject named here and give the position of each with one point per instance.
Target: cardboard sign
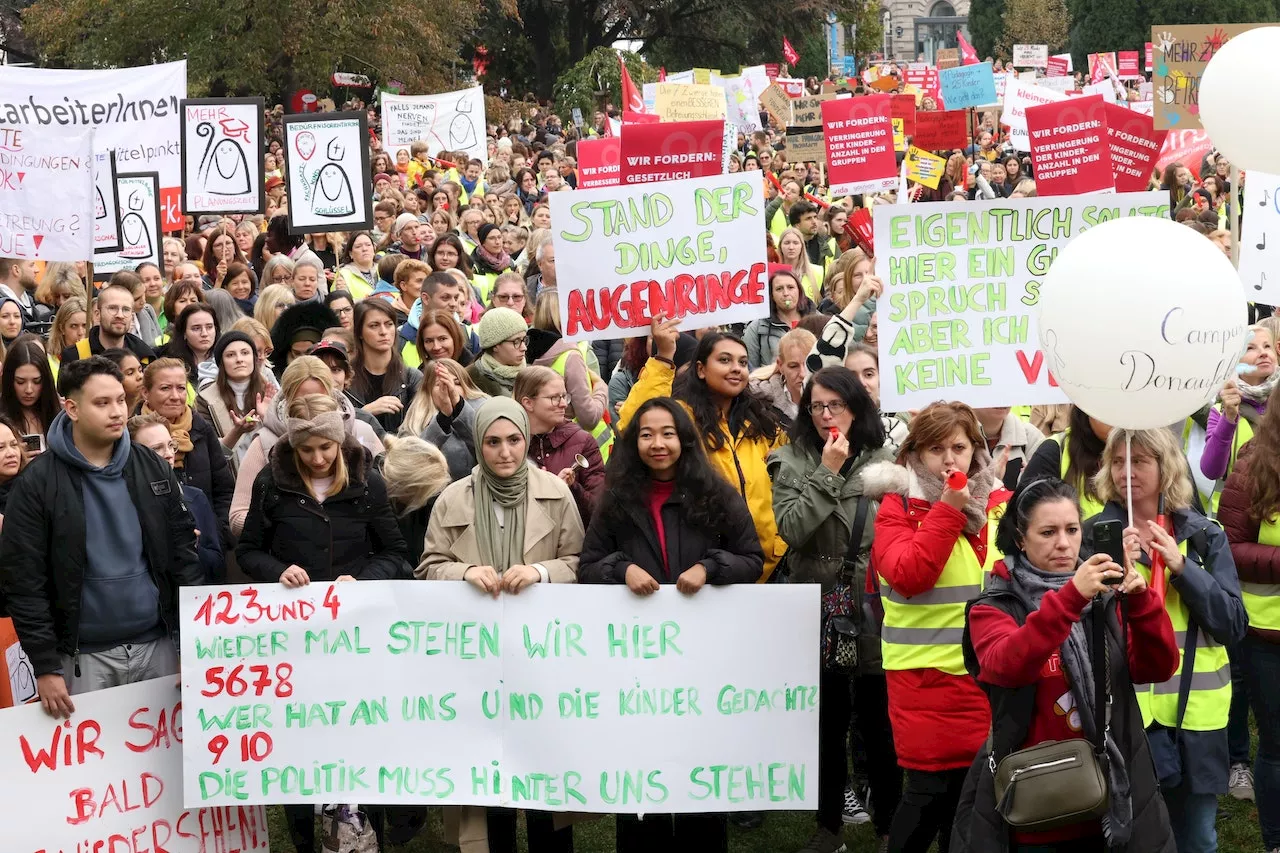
(1017, 98)
(777, 103)
(1030, 56)
(141, 237)
(940, 131)
(1181, 54)
(1260, 238)
(222, 146)
(967, 86)
(904, 107)
(327, 172)
(134, 111)
(958, 313)
(948, 57)
(689, 102)
(46, 192)
(672, 151)
(804, 134)
(599, 162)
(1069, 148)
(525, 701)
(106, 206)
(110, 779)
(859, 140)
(1127, 64)
(924, 168)
(449, 121)
(1058, 66)
(1135, 145)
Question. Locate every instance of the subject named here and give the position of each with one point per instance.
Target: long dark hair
(1085, 450)
(805, 306)
(464, 260)
(865, 433)
(363, 385)
(176, 291)
(257, 385)
(26, 350)
(1012, 532)
(705, 495)
(749, 415)
(179, 348)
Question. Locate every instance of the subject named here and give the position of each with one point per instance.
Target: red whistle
(834, 432)
(957, 481)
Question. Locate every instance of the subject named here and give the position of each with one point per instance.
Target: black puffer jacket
(205, 467)
(354, 532)
(42, 549)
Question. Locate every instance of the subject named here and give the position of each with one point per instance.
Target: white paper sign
(962, 279)
(1260, 238)
(1067, 57)
(46, 192)
(1061, 85)
(1017, 97)
(432, 693)
(134, 110)
(1030, 56)
(222, 147)
(450, 121)
(140, 235)
(121, 789)
(327, 172)
(106, 206)
(1104, 88)
(741, 98)
(22, 678)
(692, 249)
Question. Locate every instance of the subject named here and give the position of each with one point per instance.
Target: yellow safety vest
(778, 223)
(1023, 412)
(1243, 434)
(1089, 507)
(1209, 702)
(1262, 600)
(602, 432)
(483, 283)
(1210, 500)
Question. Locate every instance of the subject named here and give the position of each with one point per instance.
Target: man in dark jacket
(115, 318)
(97, 539)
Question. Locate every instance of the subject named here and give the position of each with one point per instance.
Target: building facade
(919, 28)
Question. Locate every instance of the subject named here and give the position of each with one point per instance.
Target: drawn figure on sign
(331, 194)
(135, 236)
(99, 204)
(22, 679)
(462, 133)
(224, 168)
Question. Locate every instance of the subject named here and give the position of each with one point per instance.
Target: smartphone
(33, 443)
(1108, 538)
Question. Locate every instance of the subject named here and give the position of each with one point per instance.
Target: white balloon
(1141, 321)
(1242, 127)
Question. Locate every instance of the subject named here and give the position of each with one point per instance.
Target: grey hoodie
(119, 599)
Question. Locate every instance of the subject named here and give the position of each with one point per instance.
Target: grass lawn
(784, 832)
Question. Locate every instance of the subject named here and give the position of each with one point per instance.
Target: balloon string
(1128, 472)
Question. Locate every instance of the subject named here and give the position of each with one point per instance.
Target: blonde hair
(1272, 325)
(309, 407)
(1175, 478)
(546, 313)
(802, 268)
(801, 339)
(422, 409)
(840, 277)
(253, 329)
(415, 471)
(58, 331)
(60, 278)
(301, 369)
(269, 300)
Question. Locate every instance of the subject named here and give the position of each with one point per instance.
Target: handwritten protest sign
(923, 167)
(672, 151)
(134, 112)
(940, 131)
(222, 146)
(794, 88)
(690, 249)
(962, 279)
(141, 239)
(742, 107)
(804, 134)
(110, 780)
(904, 107)
(528, 701)
(599, 162)
(777, 103)
(1135, 144)
(859, 139)
(327, 172)
(46, 193)
(1181, 54)
(448, 121)
(1017, 97)
(1260, 238)
(1070, 153)
(689, 102)
(1031, 56)
(106, 207)
(948, 57)
(967, 86)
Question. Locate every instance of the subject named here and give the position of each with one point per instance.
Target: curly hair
(749, 417)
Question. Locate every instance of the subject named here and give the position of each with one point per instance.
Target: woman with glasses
(509, 291)
(504, 339)
(341, 303)
(555, 443)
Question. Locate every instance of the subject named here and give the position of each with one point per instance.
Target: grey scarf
(1031, 584)
(1258, 394)
(982, 480)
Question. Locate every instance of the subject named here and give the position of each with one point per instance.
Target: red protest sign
(1058, 67)
(1135, 144)
(904, 107)
(1069, 148)
(940, 131)
(1127, 62)
(1148, 62)
(599, 162)
(671, 151)
(858, 133)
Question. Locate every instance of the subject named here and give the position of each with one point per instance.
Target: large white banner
(109, 780)
(46, 193)
(692, 249)
(962, 279)
(1017, 97)
(1260, 238)
(134, 110)
(449, 121)
(562, 698)
(223, 142)
(327, 172)
(141, 238)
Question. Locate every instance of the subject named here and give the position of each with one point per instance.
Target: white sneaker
(1240, 782)
(854, 812)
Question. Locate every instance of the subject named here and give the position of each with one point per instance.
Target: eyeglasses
(556, 398)
(836, 407)
(519, 343)
(121, 310)
(342, 312)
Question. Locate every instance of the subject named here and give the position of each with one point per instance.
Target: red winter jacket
(940, 721)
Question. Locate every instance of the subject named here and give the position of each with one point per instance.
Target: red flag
(662, 73)
(968, 55)
(632, 100)
(789, 53)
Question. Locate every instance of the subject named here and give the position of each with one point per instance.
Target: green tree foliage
(1105, 25)
(242, 47)
(986, 23)
(597, 81)
(1034, 22)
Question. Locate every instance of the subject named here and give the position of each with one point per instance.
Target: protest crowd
(1015, 599)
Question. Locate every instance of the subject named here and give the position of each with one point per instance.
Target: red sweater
(1014, 656)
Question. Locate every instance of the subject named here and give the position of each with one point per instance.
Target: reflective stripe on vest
(1262, 600)
(1089, 507)
(602, 432)
(1210, 700)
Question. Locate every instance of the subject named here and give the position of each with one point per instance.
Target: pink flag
(789, 52)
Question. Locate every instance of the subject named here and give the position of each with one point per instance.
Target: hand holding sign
(664, 333)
